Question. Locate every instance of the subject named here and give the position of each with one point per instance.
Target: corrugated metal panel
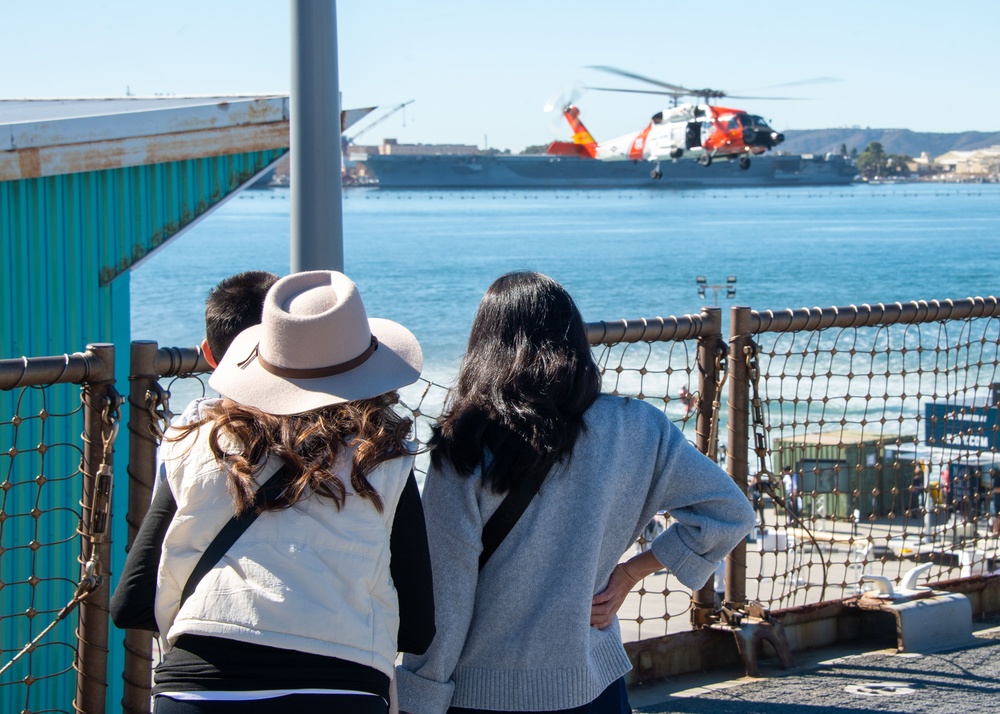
(66, 244)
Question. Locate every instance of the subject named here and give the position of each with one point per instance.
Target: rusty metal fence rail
(55, 488)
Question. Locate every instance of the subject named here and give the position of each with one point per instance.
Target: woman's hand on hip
(606, 603)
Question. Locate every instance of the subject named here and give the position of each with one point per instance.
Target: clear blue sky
(482, 71)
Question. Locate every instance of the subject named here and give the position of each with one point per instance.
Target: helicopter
(703, 131)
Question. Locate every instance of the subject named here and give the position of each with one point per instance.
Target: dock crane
(349, 140)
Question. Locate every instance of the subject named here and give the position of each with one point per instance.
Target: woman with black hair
(532, 627)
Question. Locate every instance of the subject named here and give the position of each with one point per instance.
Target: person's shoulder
(196, 410)
(612, 414)
(617, 407)
(183, 442)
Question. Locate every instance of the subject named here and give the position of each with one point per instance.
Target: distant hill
(894, 141)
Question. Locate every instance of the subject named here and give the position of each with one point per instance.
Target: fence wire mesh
(881, 453)
(852, 412)
(40, 545)
(883, 456)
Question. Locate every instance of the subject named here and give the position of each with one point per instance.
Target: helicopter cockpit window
(757, 121)
(733, 123)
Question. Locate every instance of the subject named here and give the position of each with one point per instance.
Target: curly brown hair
(309, 445)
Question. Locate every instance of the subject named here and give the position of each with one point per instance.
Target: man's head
(232, 306)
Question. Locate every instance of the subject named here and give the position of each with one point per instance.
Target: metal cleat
(926, 619)
(752, 624)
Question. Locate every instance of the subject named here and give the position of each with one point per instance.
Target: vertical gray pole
(317, 227)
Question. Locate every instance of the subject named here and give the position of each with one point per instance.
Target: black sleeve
(410, 567)
(132, 605)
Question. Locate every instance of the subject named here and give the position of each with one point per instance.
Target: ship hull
(483, 171)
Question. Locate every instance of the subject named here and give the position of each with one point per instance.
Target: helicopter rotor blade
(776, 99)
(675, 95)
(641, 78)
(563, 97)
(805, 82)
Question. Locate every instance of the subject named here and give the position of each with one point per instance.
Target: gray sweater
(517, 635)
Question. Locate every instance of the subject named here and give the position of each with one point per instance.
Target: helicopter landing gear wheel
(744, 162)
(705, 159)
(656, 174)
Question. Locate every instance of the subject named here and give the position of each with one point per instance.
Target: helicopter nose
(777, 137)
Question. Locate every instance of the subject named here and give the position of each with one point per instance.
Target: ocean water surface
(425, 258)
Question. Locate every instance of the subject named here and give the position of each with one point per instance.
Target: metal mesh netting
(40, 545)
(883, 444)
(886, 429)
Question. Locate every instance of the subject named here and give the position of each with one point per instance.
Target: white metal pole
(317, 226)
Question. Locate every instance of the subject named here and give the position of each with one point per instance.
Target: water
(425, 258)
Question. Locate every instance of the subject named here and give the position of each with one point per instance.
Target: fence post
(91, 664)
(137, 674)
(739, 445)
(703, 601)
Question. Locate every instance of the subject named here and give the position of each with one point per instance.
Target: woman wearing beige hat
(305, 608)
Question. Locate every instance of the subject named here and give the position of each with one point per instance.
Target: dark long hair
(309, 444)
(526, 380)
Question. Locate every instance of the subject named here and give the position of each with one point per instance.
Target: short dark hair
(233, 305)
(527, 378)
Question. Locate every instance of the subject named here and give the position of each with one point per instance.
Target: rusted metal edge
(914, 312)
(54, 122)
(656, 329)
(141, 151)
(75, 368)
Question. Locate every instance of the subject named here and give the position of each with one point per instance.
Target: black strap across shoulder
(504, 518)
(230, 533)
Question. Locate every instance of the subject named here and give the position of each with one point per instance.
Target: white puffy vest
(307, 578)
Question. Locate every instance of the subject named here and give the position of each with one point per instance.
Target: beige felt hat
(316, 346)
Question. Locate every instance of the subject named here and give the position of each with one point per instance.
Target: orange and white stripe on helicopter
(635, 152)
(581, 136)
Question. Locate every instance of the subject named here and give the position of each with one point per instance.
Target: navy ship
(486, 171)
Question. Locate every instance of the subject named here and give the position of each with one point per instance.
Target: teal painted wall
(66, 246)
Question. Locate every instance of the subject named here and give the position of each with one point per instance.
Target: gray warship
(485, 171)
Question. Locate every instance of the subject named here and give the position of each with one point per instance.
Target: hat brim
(396, 363)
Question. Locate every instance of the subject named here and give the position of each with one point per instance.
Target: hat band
(311, 373)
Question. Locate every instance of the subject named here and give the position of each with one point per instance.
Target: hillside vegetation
(893, 141)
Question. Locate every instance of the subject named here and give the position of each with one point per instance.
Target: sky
(481, 72)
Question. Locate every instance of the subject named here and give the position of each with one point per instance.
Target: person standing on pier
(527, 601)
(329, 576)
(790, 482)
